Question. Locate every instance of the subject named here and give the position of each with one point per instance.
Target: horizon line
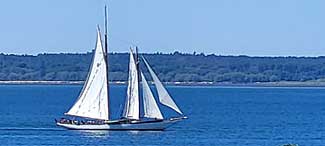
(166, 53)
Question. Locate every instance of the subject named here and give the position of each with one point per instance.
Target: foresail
(164, 97)
(151, 109)
(132, 107)
(93, 101)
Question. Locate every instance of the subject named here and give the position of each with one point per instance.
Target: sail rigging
(164, 96)
(151, 109)
(93, 99)
(132, 107)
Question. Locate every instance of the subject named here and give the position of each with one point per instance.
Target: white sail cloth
(93, 99)
(151, 109)
(164, 97)
(132, 107)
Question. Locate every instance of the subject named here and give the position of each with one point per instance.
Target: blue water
(217, 116)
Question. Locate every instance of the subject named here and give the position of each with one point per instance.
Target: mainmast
(106, 60)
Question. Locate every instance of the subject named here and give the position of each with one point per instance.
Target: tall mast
(138, 66)
(106, 60)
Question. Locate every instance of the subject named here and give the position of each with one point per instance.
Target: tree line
(173, 67)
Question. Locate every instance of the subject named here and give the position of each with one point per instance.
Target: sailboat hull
(147, 125)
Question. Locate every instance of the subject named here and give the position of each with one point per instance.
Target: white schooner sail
(151, 109)
(93, 99)
(164, 97)
(132, 106)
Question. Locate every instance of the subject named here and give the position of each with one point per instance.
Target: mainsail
(93, 99)
(151, 109)
(132, 107)
(164, 97)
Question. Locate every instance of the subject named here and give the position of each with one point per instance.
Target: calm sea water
(217, 116)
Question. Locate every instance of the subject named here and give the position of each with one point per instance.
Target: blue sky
(225, 27)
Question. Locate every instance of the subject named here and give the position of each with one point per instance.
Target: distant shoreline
(169, 67)
(257, 84)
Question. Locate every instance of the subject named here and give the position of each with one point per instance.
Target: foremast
(131, 109)
(137, 63)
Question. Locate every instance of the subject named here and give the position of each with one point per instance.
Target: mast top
(106, 19)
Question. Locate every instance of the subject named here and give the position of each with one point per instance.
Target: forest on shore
(173, 67)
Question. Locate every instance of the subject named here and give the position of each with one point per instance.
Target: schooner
(93, 107)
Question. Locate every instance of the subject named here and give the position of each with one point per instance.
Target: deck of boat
(123, 124)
